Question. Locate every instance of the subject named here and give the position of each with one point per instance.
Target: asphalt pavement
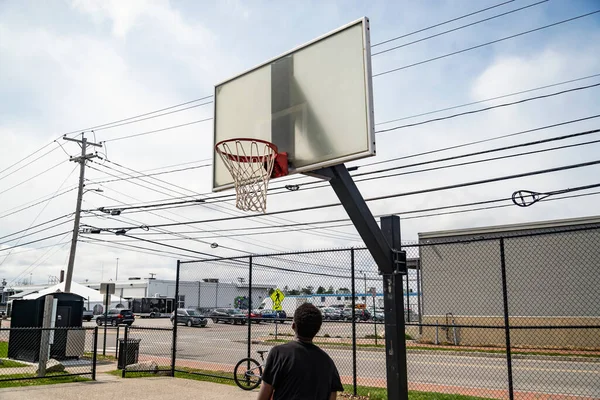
(223, 345)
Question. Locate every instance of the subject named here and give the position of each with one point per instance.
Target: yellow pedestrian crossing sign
(277, 296)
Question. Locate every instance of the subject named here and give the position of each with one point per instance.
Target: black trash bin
(133, 351)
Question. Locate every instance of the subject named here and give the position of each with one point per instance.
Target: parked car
(362, 314)
(331, 314)
(116, 316)
(377, 315)
(255, 316)
(282, 316)
(228, 315)
(88, 315)
(268, 315)
(189, 317)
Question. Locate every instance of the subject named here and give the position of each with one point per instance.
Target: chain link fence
(70, 352)
(508, 315)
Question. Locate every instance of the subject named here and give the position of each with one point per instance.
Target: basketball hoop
(251, 163)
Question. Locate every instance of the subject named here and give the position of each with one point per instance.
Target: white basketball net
(250, 164)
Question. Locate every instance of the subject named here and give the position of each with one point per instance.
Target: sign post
(107, 289)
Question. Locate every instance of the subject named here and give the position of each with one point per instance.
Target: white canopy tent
(93, 299)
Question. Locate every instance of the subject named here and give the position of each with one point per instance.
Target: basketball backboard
(314, 102)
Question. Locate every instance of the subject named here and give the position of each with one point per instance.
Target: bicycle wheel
(247, 374)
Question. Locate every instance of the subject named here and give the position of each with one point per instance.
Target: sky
(69, 65)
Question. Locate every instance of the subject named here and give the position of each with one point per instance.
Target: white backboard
(314, 102)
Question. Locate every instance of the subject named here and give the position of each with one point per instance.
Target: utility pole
(117, 271)
(83, 142)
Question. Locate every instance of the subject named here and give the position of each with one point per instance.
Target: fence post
(407, 316)
(174, 346)
(123, 352)
(95, 353)
(45, 333)
(117, 341)
(249, 306)
(352, 270)
(506, 321)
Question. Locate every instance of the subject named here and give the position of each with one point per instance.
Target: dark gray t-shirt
(301, 371)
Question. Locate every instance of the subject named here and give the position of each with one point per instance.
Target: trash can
(133, 350)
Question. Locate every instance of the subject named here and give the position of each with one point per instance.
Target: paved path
(110, 387)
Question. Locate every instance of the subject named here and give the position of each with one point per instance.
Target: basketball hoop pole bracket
(384, 245)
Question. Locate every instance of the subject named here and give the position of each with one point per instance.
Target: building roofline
(548, 224)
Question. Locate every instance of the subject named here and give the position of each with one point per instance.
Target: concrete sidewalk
(111, 387)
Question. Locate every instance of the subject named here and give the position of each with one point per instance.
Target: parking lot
(220, 346)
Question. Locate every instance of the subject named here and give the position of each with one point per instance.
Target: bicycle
(245, 376)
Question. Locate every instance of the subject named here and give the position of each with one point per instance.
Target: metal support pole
(95, 353)
(384, 246)
(175, 320)
(511, 394)
(45, 337)
(123, 352)
(397, 379)
(419, 296)
(352, 271)
(407, 299)
(249, 306)
(117, 341)
(106, 305)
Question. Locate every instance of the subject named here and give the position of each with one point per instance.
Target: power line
(384, 197)
(325, 234)
(152, 116)
(158, 130)
(153, 174)
(33, 241)
(138, 116)
(38, 215)
(33, 177)
(441, 23)
(488, 99)
(38, 225)
(519, 133)
(459, 28)
(36, 232)
(311, 225)
(35, 204)
(26, 157)
(29, 163)
(484, 44)
(489, 108)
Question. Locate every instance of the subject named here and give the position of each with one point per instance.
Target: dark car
(87, 315)
(189, 317)
(282, 316)
(268, 315)
(117, 316)
(228, 316)
(359, 314)
(331, 314)
(255, 316)
(362, 314)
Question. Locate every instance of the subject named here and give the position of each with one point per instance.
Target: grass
(56, 378)
(99, 356)
(374, 393)
(11, 364)
(4, 354)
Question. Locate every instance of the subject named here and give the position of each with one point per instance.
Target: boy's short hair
(308, 320)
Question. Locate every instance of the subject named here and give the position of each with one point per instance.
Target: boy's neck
(303, 339)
